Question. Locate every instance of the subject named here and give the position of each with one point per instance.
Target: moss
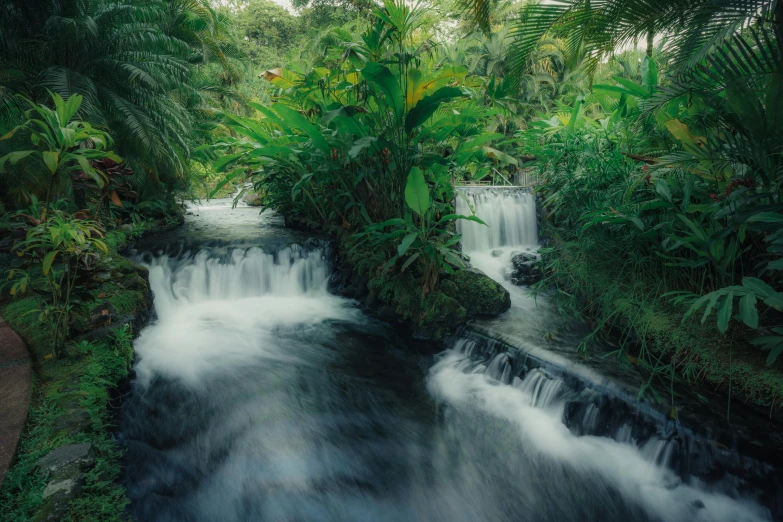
(631, 303)
(479, 294)
(81, 382)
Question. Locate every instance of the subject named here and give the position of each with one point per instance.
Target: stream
(260, 396)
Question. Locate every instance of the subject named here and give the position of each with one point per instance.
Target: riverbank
(72, 402)
(631, 315)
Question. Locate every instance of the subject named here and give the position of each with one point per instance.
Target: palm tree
(599, 27)
(135, 63)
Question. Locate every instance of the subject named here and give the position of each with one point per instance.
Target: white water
(511, 228)
(535, 406)
(217, 314)
(262, 397)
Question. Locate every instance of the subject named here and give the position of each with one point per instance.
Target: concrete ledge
(15, 383)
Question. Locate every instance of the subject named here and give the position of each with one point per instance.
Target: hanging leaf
(417, 192)
(427, 106)
(383, 80)
(48, 260)
(724, 313)
(748, 312)
(115, 198)
(406, 243)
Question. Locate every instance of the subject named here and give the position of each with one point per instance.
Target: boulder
(252, 199)
(64, 488)
(496, 253)
(526, 271)
(479, 294)
(67, 461)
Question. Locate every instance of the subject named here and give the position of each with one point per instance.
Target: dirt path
(15, 374)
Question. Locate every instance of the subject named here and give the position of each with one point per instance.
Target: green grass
(649, 328)
(84, 380)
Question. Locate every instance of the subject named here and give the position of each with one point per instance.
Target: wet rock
(100, 333)
(68, 460)
(497, 253)
(477, 293)
(526, 271)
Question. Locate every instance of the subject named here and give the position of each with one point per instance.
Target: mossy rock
(477, 293)
(433, 318)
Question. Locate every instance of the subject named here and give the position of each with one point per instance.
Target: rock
(497, 253)
(56, 496)
(73, 422)
(64, 488)
(99, 333)
(126, 227)
(253, 199)
(477, 292)
(526, 271)
(67, 460)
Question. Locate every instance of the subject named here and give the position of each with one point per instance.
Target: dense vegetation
(653, 129)
(659, 167)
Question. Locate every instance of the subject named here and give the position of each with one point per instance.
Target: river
(260, 396)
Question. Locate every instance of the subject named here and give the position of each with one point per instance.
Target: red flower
(713, 197)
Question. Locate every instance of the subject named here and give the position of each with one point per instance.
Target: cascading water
(260, 396)
(510, 215)
(511, 227)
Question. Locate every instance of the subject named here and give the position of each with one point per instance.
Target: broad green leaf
(724, 313)
(776, 265)
(633, 88)
(775, 300)
(427, 106)
(410, 260)
(417, 192)
(748, 312)
(766, 217)
(502, 157)
(451, 217)
(406, 243)
(48, 260)
(384, 81)
(220, 164)
(773, 343)
(300, 123)
(361, 144)
(662, 188)
(14, 157)
(757, 286)
(51, 159)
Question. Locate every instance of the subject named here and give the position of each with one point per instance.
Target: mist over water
(260, 396)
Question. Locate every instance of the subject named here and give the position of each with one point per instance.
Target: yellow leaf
(115, 198)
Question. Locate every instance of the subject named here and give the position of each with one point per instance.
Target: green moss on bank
(81, 382)
(650, 328)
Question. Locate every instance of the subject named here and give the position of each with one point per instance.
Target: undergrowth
(82, 381)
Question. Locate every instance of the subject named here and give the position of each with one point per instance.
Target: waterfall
(475, 375)
(510, 215)
(218, 312)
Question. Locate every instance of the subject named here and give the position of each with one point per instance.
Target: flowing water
(258, 395)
